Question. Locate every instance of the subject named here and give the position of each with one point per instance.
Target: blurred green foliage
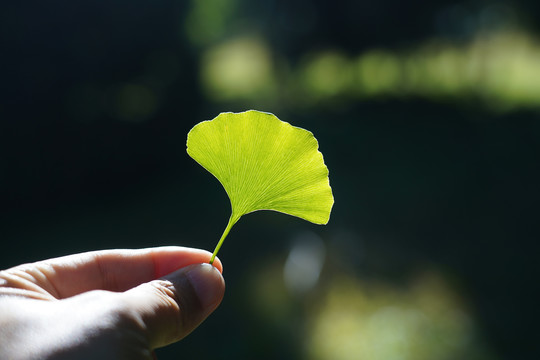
(499, 69)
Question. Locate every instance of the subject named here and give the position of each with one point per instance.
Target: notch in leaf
(264, 164)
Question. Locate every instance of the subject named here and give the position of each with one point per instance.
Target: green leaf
(264, 164)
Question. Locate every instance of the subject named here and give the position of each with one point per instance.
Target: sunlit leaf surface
(264, 164)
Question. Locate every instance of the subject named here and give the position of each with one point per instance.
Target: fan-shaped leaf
(264, 164)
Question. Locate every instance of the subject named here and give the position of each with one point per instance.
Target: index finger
(113, 270)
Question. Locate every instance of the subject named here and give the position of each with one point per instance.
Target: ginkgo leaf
(263, 163)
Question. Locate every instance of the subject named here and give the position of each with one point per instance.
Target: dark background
(97, 98)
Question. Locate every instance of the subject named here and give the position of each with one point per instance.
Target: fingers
(114, 270)
(170, 308)
(120, 325)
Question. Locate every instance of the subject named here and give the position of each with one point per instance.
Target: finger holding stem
(232, 220)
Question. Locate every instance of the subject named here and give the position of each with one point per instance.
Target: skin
(112, 304)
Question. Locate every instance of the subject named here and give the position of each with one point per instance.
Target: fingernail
(207, 283)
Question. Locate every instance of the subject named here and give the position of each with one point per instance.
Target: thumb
(170, 308)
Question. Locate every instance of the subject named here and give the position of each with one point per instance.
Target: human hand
(112, 304)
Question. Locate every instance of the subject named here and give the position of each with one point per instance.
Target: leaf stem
(232, 220)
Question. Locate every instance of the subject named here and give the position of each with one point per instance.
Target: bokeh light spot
(241, 68)
(327, 74)
(378, 321)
